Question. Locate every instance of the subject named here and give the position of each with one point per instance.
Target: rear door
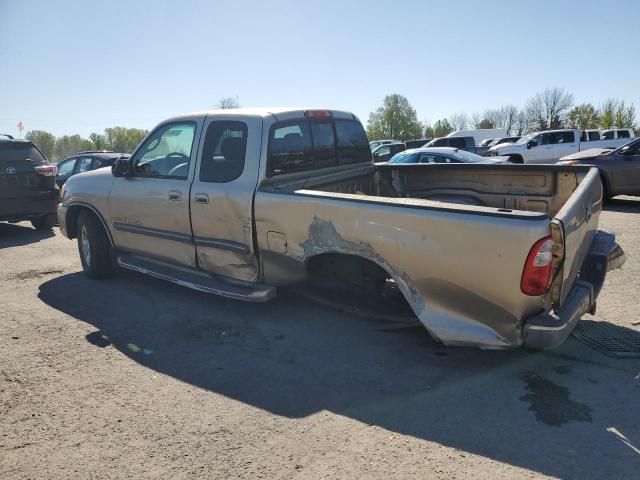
(150, 209)
(18, 177)
(222, 196)
(564, 143)
(626, 170)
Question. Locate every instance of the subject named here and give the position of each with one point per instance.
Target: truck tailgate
(574, 228)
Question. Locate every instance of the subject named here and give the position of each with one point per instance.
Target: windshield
(619, 149)
(526, 138)
(403, 157)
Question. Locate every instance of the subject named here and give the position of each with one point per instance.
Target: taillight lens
(48, 170)
(538, 267)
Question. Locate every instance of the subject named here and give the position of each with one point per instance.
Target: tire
(46, 222)
(515, 159)
(94, 247)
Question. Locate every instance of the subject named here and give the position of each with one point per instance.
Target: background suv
(28, 189)
(83, 162)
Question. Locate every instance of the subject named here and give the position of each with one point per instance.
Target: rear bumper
(29, 207)
(550, 329)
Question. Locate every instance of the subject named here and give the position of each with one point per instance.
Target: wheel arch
(71, 220)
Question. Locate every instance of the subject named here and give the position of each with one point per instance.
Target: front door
(564, 143)
(627, 170)
(541, 150)
(222, 197)
(150, 209)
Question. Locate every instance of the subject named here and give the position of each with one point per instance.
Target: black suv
(28, 189)
(85, 161)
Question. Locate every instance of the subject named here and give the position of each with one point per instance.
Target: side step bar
(197, 280)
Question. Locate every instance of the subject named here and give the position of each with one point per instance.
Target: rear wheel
(46, 222)
(93, 246)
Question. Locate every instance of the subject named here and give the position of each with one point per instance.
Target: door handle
(175, 195)
(201, 198)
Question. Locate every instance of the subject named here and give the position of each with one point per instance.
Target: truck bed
(453, 237)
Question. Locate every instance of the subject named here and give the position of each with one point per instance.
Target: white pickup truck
(550, 145)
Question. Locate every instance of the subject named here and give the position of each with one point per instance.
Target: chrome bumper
(550, 329)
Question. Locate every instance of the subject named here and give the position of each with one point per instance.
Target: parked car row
(29, 183)
(28, 189)
(549, 146)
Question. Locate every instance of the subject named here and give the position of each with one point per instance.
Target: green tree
(67, 145)
(486, 123)
(442, 128)
(124, 140)
(99, 141)
(395, 119)
(584, 116)
(429, 132)
(45, 141)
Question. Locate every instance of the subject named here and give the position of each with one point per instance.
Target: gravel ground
(135, 378)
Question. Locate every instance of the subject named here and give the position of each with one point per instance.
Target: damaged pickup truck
(240, 202)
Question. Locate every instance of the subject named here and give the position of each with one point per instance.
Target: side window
(607, 135)
(166, 153)
(544, 139)
(324, 144)
(382, 151)
(290, 148)
(567, 137)
(623, 134)
(225, 146)
(441, 142)
(593, 136)
(65, 169)
(460, 143)
(427, 158)
(351, 142)
(443, 159)
(84, 164)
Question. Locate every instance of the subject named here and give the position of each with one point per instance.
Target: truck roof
(267, 112)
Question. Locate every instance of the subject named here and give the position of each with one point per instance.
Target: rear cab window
(11, 152)
(623, 134)
(310, 143)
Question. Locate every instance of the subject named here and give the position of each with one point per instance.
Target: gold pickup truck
(240, 202)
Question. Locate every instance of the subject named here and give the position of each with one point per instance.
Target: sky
(82, 66)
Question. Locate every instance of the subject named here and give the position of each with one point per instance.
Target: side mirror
(626, 151)
(122, 167)
(530, 144)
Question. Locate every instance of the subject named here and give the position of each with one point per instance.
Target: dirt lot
(135, 378)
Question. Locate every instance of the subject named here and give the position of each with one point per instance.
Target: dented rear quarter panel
(459, 271)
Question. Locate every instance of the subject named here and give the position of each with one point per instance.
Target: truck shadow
(16, 235)
(546, 412)
(623, 204)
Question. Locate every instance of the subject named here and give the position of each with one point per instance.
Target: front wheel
(93, 246)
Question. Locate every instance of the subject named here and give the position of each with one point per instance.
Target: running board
(197, 280)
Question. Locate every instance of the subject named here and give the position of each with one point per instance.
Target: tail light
(318, 114)
(536, 275)
(48, 170)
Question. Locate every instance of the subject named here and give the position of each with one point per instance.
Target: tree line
(117, 139)
(549, 109)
